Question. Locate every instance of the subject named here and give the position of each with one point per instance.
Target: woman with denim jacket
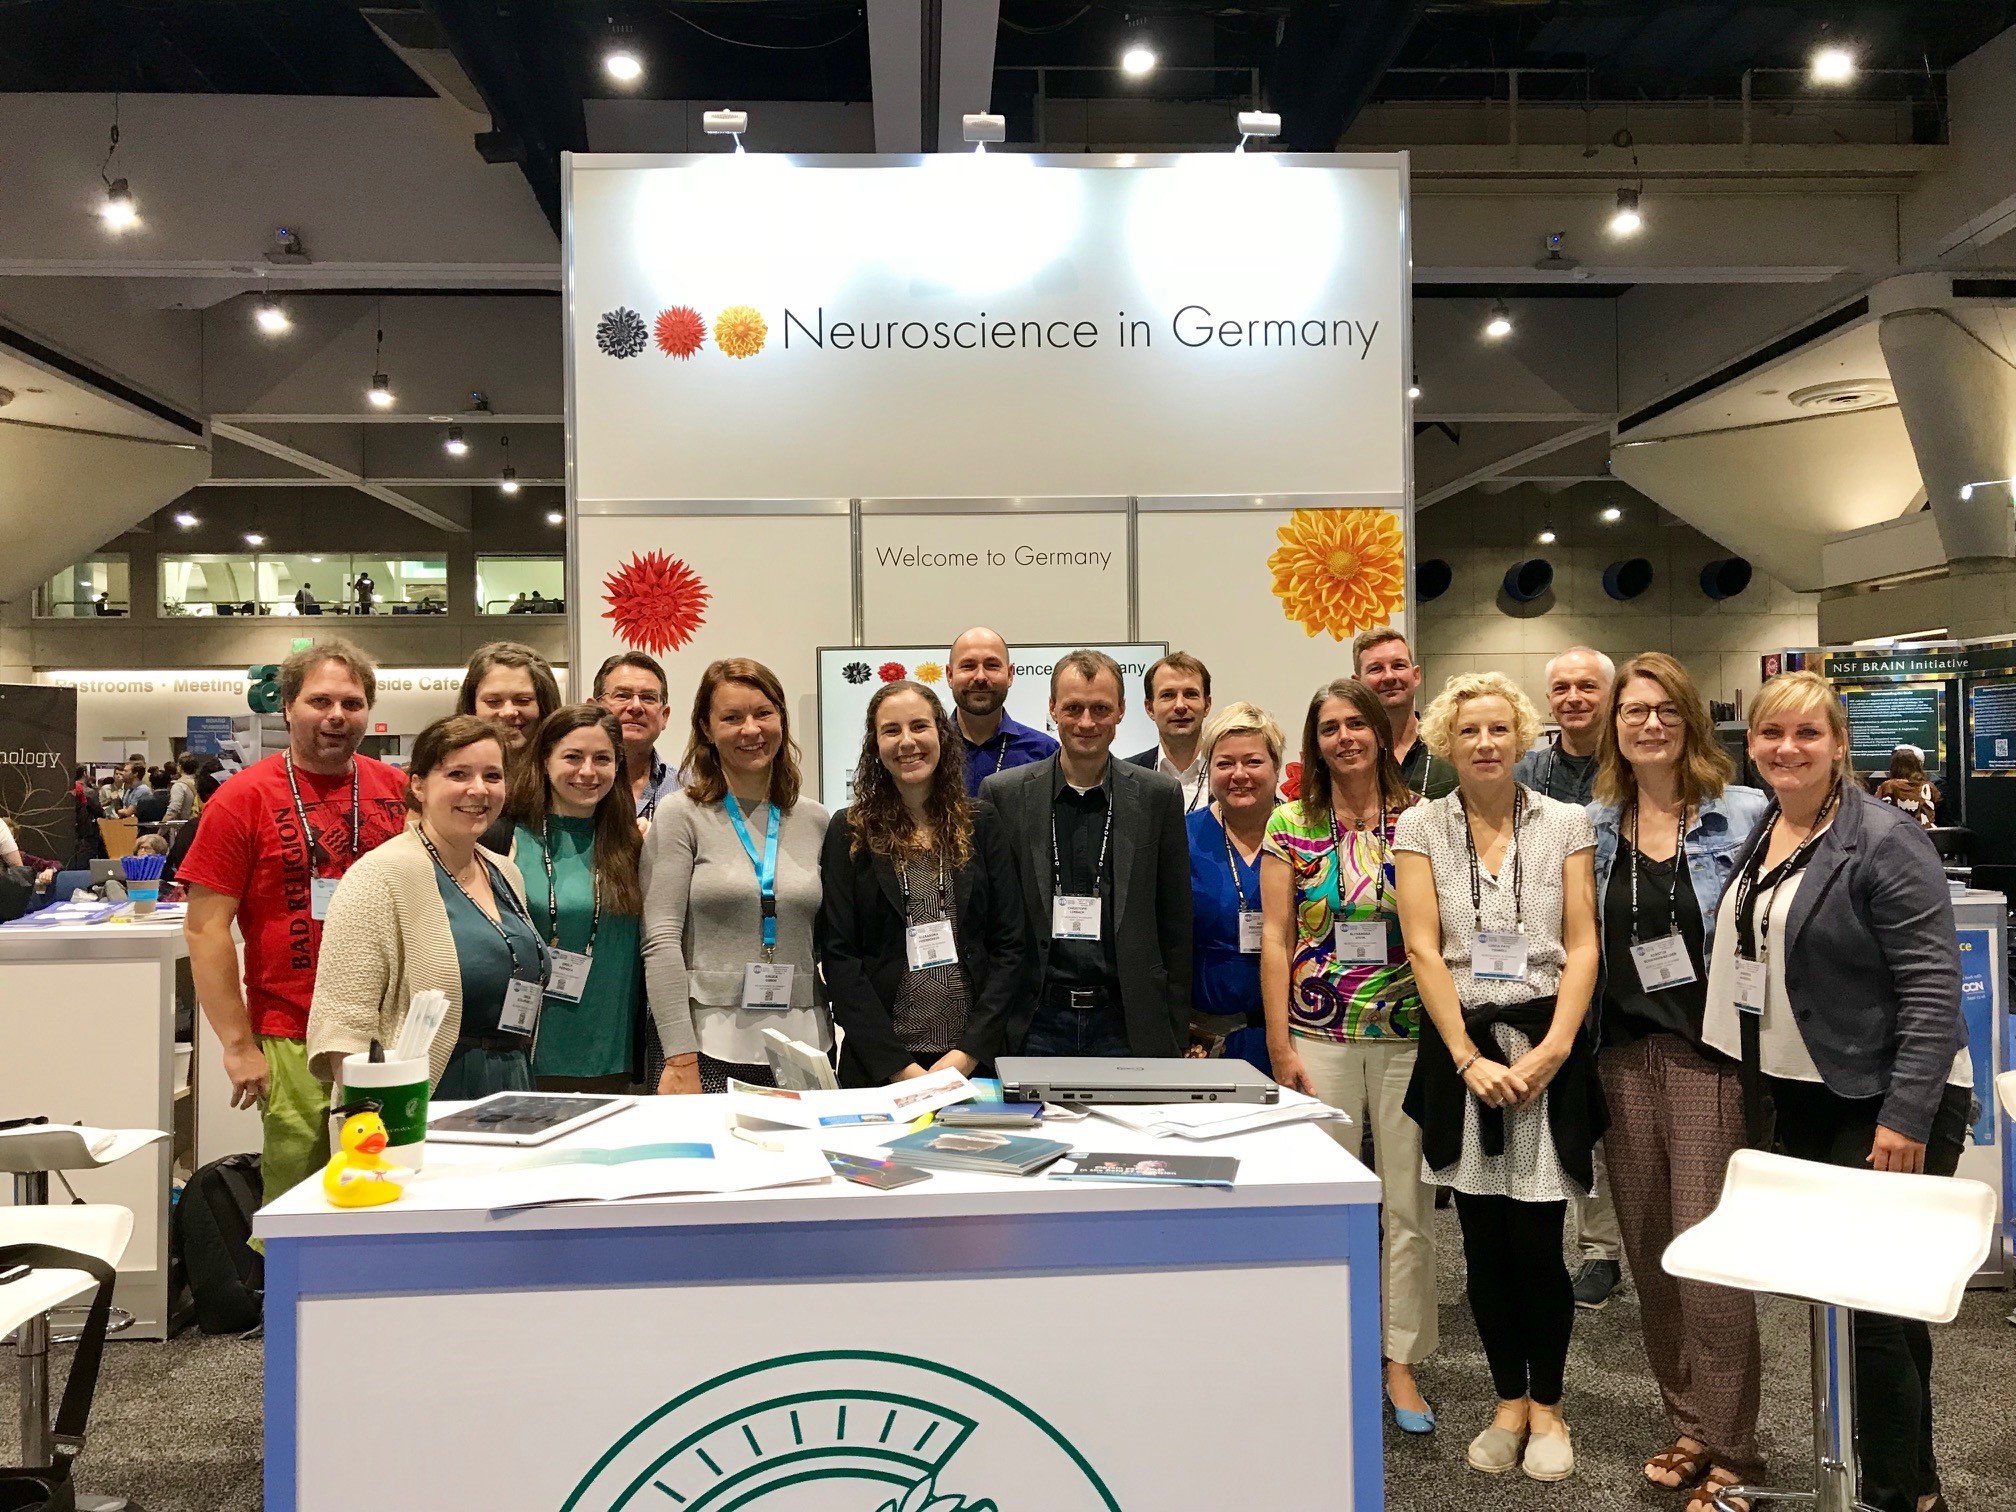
(1664, 810)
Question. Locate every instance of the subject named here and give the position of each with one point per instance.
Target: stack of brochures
(984, 1152)
(1215, 1120)
(1155, 1170)
(764, 1108)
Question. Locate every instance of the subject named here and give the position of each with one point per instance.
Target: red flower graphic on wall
(1291, 781)
(656, 602)
(680, 332)
(892, 671)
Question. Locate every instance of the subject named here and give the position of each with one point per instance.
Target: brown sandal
(1717, 1479)
(1687, 1465)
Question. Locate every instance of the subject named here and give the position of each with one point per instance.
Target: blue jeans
(1060, 1029)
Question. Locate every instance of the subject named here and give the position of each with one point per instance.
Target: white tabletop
(151, 940)
(1296, 1166)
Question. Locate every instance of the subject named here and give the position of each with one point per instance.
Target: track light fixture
(271, 316)
(254, 539)
(455, 446)
(186, 520)
(1611, 515)
(118, 210)
(1625, 219)
(726, 123)
(1499, 325)
(1546, 537)
(507, 481)
(1137, 49)
(1414, 388)
(982, 129)
(1257, 123)
(380, 393)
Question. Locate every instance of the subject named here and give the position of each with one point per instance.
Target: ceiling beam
(1329, 62)
(1506, 464)
(323, 468)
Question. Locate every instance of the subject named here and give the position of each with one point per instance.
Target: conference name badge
(520, 1014)
(320, 891)
(1074, 918)
(930, 945)
(1364, 943)
(1662, 963)
(1251, 925)
(569, 978)
(1753, 980)
(767, 985)
(1499, 955)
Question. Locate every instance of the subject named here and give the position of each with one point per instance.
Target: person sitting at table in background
(979, 671)
(1665, 810)
(731, 890)
(1343, 1014)
(1178, 691)
(1239, 753)
(1498, 906)
(577, 848)
(513, 687)
(266, 856)
(1909, 788)
(921, 935)
(432, 909)
(1835, 980)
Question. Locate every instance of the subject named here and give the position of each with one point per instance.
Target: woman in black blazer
(921, 935)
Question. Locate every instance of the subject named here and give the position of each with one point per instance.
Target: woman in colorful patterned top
(1342, 1011)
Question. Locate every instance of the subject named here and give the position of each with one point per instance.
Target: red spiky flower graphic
(892, 671)
(656, 602)
(680, 332)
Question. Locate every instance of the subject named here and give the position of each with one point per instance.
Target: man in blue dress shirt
(980, 671)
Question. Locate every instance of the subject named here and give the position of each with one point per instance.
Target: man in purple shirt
(980, 671)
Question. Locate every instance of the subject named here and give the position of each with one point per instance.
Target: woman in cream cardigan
(433, 909)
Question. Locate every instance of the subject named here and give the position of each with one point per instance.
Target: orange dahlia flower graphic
(679, 331)
(740, 331)
(656, 602)
(929, 672)
(1340, 570)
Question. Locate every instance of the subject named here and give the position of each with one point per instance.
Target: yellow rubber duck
(358, 1175)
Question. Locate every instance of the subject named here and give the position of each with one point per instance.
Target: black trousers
(1893, 1356)
(1520, 1293)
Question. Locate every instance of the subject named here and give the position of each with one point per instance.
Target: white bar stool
(1839, 1240)
(29, 1153)
(2005, 1088)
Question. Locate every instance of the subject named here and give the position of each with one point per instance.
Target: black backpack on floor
(47, 1488)
(213, 1230)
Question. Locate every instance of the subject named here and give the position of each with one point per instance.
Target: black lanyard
(1753, 936)
(1337, 855)
(1476, 872)
(301, 812)
(1679, 871)
(903, 881)
(553, 890)
(1232, 859)
(656, 779)
(505, 899)
(1056, 861)
(1001, 755)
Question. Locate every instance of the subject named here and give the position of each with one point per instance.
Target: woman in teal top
(578, 846)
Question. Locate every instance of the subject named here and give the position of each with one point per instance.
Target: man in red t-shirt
(268, 850)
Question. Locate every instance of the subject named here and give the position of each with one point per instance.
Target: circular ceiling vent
(6, 397)
(1843, 394)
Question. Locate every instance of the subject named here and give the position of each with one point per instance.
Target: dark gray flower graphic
(621, 333)
(857, 672)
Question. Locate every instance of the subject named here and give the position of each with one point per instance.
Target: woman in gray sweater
(732, 890)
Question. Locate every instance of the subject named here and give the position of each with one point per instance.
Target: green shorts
(296, 1117)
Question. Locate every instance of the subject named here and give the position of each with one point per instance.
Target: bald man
(980, 670)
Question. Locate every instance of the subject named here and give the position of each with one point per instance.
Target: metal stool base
(1752, 1495)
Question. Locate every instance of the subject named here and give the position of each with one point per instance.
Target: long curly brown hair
(877, 818)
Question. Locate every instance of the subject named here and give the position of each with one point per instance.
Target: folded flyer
(753, 1107)
(1154, 1170)
(551, 1178)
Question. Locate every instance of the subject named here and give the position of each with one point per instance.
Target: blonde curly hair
(1438, 725)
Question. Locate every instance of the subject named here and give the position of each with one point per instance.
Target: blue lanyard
(766, 866)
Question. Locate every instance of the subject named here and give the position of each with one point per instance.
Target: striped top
(1328, 997)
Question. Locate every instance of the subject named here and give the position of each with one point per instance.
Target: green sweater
(592, 1037)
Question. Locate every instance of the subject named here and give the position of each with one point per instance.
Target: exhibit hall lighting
(622, 65)
(555, 517)
(982, 129)
(381, 390)
(254, 539)
(270, 316)
(118, 211)
(1257, 123)
(726, 123)
(380, 393)
(1137, 49)
(1833, 64)
(1967, 489)
(507, 482)
(1414, 389)
(1625, 219)
(455, 446)
(187, 520)
(1499, 325)
(1545, 538)
(1611, 515)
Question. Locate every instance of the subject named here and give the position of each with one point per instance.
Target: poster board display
(849, 676)
(1884, 716)
(1991, 726)
(38, 752)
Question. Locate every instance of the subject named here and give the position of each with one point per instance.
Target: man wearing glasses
(631, 686)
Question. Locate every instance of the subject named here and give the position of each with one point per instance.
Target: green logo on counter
(843, 1431)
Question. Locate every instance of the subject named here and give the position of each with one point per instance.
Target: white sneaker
(1549, 1456)
(1495, 1450)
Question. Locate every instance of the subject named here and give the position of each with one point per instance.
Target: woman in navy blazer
(921, 934)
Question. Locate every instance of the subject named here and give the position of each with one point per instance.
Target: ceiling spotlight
(455, 446)
(1414, 389)
(187, 520)
(1546, 538)
(622, 65)
(1625, 219)
(726, 123)
(253, 538)
(1833, 65)
(1611, 515)
(381, 391)
(1137, 50)
(119, 212)
(314, 559)
(1500, 323)
(272, 318)
(508, 483)
(555, 517)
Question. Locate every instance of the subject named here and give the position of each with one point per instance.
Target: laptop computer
(1132, 1079)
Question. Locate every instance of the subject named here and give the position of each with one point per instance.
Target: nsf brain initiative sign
(759, 327)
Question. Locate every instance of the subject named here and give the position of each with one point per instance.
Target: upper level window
(521, 584)
(94, 587)
(225, 584)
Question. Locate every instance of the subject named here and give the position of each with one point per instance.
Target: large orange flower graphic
(1340, 570)
(740, 331)
(656, 602)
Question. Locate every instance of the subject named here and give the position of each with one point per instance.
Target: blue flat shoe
(1410, 1421)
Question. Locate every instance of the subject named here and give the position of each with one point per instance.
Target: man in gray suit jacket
(1104, 862)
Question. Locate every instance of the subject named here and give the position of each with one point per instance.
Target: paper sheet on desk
(755, 1107)
(1216, 1120)
(569, 1176)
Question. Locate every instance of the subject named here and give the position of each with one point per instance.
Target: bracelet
(1475, 1056)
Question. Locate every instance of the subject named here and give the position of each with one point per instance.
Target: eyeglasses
(649, 697)
(1635, 714)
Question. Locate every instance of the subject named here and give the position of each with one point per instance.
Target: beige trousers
(1367, 1079)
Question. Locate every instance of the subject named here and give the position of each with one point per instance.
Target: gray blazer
(1873, 964)
(1151, 895)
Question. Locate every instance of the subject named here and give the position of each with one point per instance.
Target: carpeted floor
(177, 1426)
